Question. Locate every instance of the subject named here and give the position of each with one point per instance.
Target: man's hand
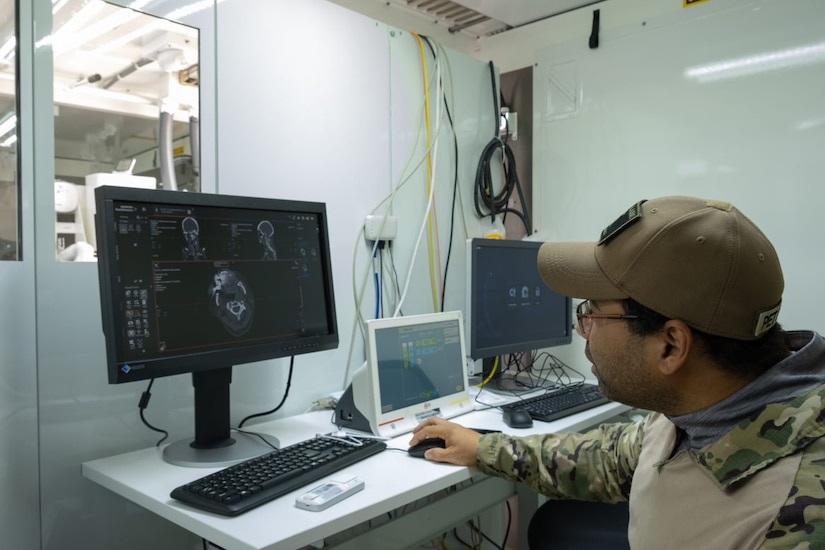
(461, 443)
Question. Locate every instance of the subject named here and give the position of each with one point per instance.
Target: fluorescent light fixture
(188, 10)
(64, 41)
(7, 49)
(8, 125)
(9, 141)
(78, 20)
(767, 61)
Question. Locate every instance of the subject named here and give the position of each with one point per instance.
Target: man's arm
(595, 465)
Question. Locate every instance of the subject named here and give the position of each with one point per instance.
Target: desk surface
(145, 479)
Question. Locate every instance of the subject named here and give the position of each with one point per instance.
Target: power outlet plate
(377, 229)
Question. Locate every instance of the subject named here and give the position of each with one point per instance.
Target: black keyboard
(562, 402)
(248, 484)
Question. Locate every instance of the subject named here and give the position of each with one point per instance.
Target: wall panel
(630, 120)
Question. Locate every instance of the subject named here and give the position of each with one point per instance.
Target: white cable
(410, 170)
(434, 148)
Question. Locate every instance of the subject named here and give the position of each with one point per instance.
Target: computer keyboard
(562, 402)
(248, 484)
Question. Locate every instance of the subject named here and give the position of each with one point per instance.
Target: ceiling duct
(455, 17)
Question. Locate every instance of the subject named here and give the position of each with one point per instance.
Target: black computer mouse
(418, 450)
(516, 418)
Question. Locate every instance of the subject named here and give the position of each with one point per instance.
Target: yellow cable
(433, 285)
(492, 373)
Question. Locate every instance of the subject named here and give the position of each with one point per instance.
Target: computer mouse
(516, 418)
(418, 450)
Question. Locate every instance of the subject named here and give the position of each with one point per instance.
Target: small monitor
(509, 308)
(198, 283)
(414, 370)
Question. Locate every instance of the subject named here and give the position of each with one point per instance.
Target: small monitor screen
(418, 363)
(509, 308)
(415, 369)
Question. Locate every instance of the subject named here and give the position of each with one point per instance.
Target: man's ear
(675, 344)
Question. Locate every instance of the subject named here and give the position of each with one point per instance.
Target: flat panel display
(199, 283)
(416, 367)
(509, 308)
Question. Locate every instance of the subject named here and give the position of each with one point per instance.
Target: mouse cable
(281, 404)
(142, 404)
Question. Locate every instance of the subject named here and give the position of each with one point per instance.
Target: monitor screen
(197, 283)
(509, 309)
(414, 370)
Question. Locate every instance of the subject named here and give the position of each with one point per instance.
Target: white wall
(341, 123)
(623, 122)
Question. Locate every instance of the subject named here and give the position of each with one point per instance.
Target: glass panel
(9, 185)
(126, 111)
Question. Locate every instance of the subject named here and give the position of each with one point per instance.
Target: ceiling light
(8, 125)
(7, 49)
(194, 7)
(65, 41)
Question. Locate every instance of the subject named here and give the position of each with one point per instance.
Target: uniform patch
(633, 214)
(766, 320)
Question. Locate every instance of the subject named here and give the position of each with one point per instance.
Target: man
(682, 297)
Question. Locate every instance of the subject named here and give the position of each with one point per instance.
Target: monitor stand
(500, 384)
(213, 445)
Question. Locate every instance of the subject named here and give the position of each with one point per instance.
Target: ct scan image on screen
(199, 278)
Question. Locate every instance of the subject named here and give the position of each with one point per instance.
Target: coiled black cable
(487, 202)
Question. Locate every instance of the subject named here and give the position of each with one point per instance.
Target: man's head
(677, 288)
(699, 261)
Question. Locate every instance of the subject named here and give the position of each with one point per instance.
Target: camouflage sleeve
(595, 465)
(800, 523)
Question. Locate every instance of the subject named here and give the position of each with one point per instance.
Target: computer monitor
(198, 283)
(414, 370)
(509, 309)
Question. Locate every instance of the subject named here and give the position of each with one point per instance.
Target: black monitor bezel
(105, 196)
(475, 348)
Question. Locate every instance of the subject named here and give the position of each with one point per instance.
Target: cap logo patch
(766, 320)
(633, 214)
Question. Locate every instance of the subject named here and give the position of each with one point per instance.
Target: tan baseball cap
(700, 261)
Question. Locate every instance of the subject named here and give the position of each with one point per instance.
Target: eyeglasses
(585, 316)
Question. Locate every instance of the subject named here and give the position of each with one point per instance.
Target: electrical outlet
(377, 229)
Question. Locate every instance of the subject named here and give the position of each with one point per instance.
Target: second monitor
(509, 309)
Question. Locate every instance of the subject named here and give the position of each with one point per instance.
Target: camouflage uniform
(778, 453)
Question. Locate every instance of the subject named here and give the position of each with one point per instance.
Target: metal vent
(455, 17)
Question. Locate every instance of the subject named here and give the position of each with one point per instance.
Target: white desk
(392, 480)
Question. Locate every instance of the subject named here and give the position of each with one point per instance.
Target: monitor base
(245, 446)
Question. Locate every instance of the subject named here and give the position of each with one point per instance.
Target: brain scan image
(191, 232)
(231, 301)
(265, 234)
